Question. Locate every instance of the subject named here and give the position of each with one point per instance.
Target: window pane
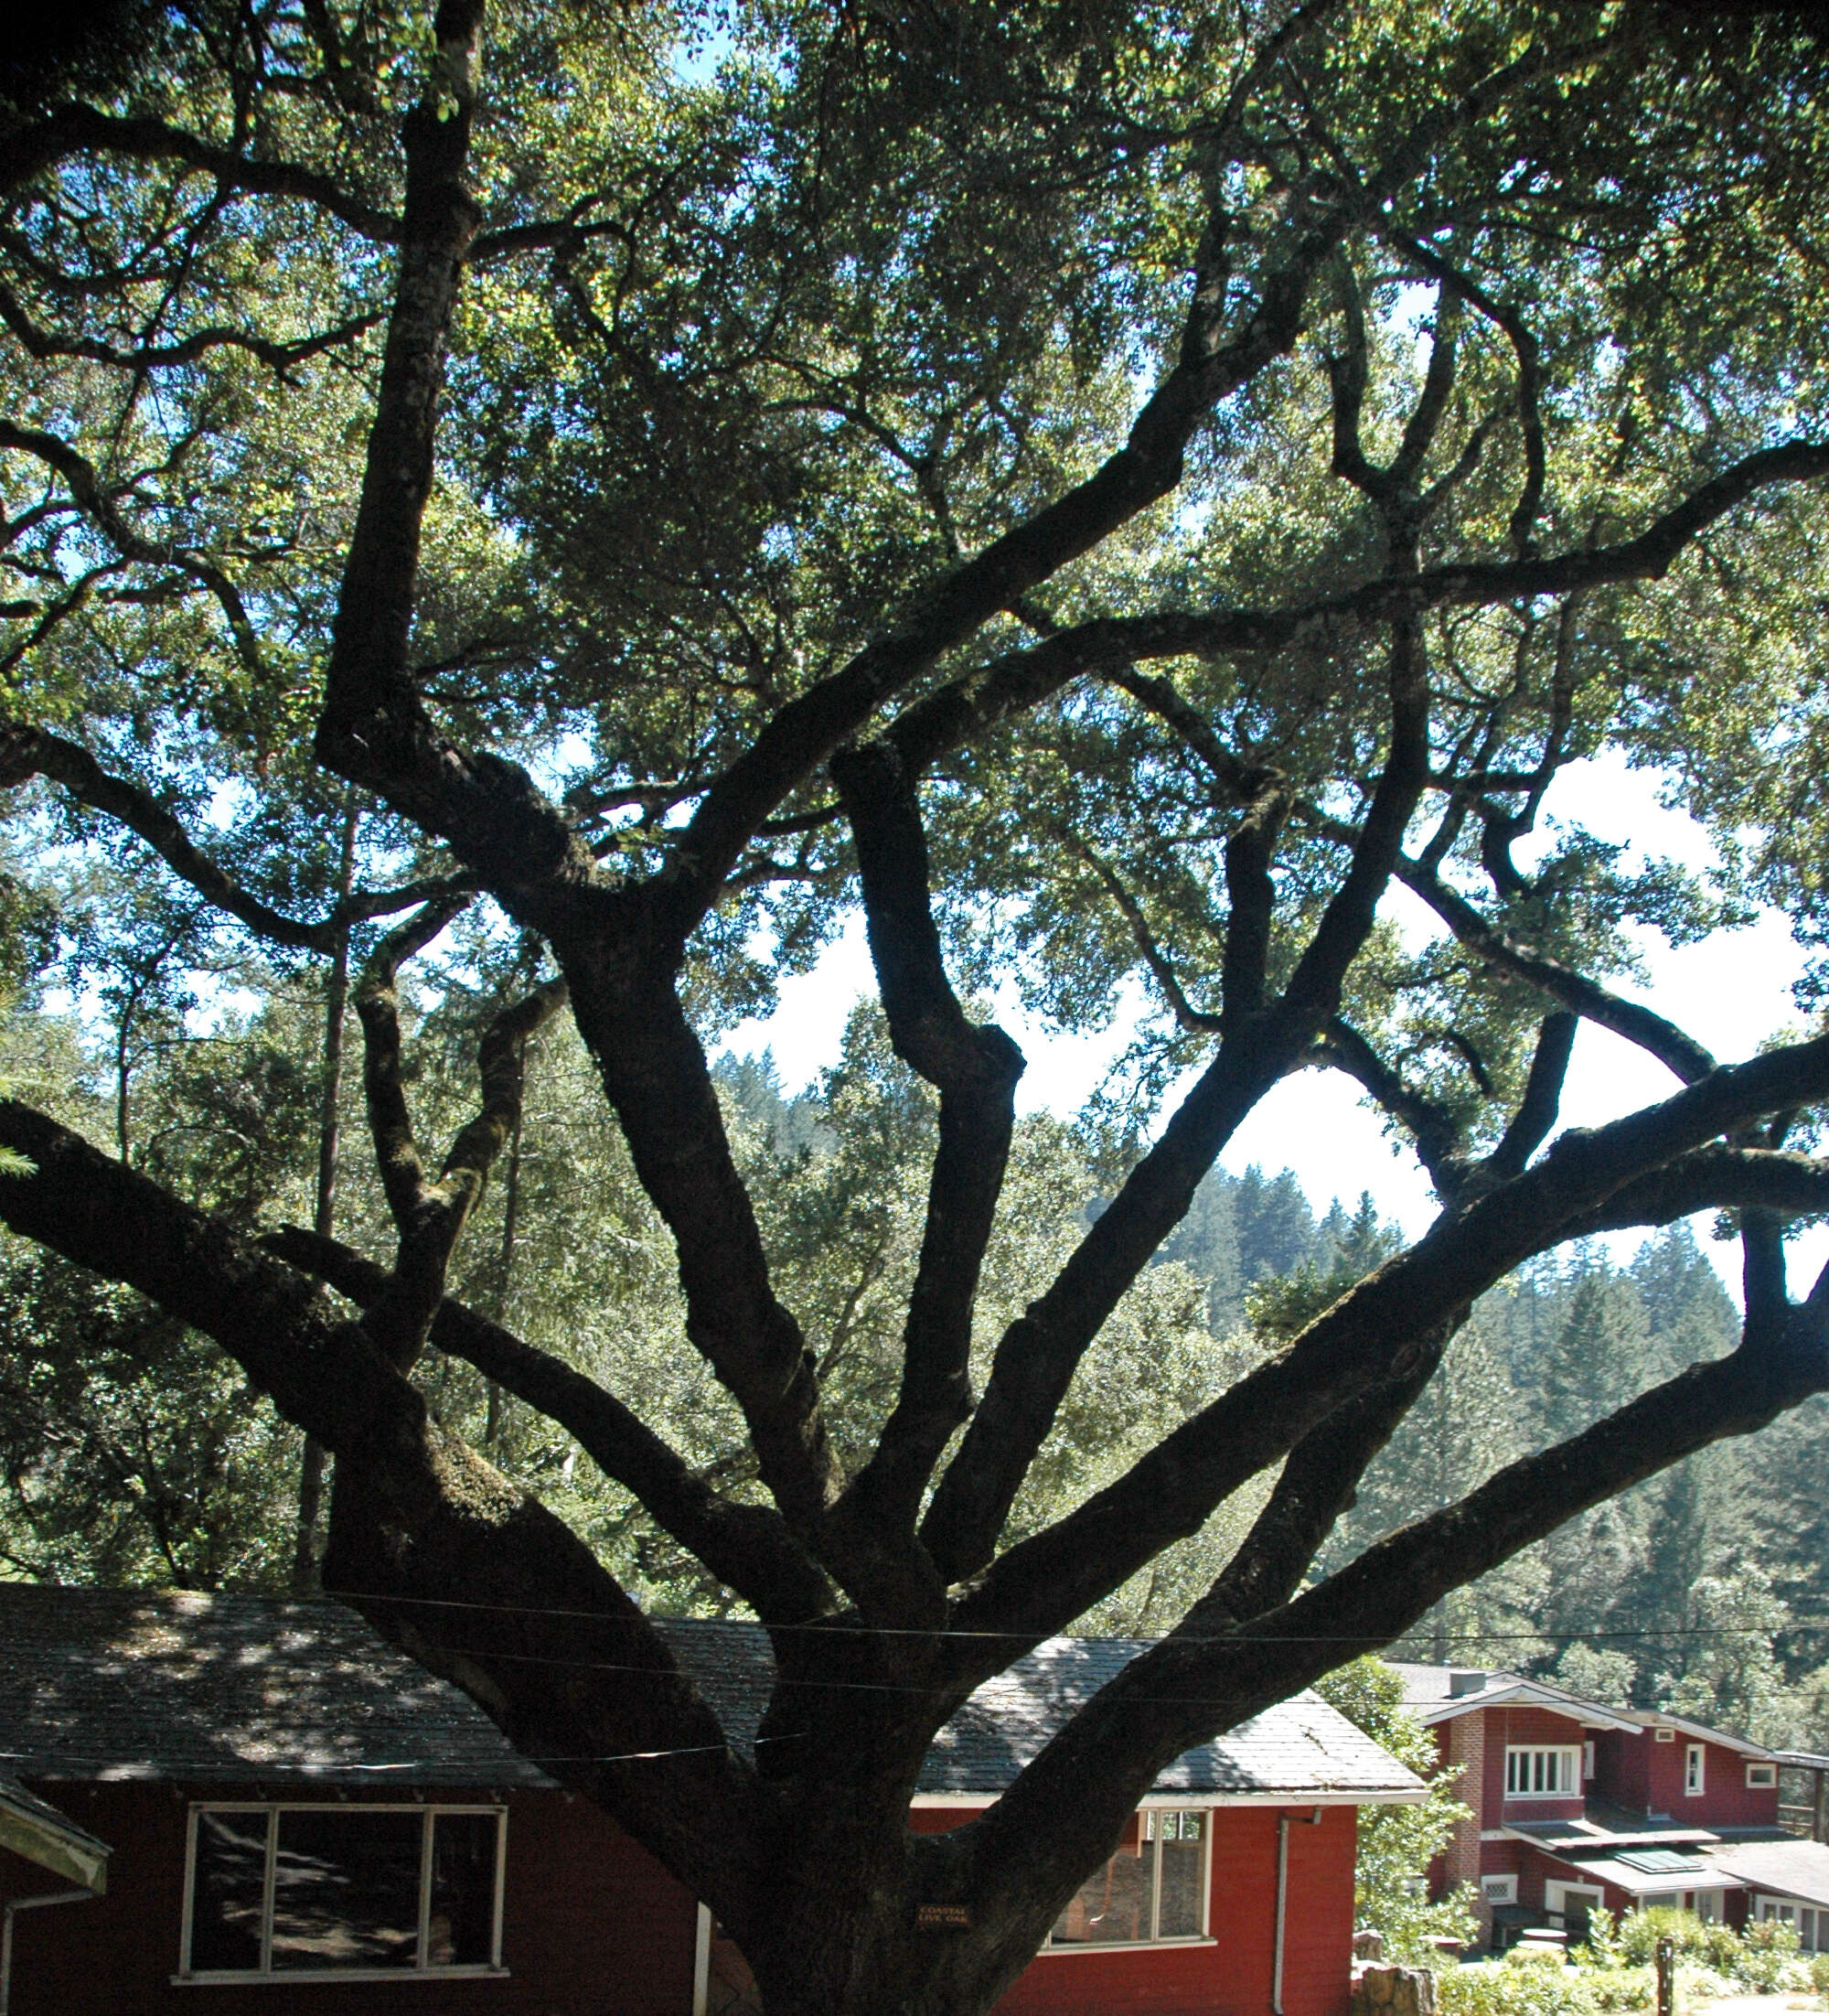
(346, 1890)
(1179, 1916)
(1112, 1904)
(226, 1891)
(462, 1928)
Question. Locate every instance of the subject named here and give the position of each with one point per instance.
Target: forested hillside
(141, 1458)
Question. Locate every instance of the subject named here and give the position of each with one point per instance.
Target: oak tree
(1110, 491)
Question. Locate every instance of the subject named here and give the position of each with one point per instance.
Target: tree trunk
(314, 1458)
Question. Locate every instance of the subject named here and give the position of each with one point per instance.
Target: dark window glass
(1183, 1852)
(346, 1890)
(226, 1889)
(461, 1929)
(1112, 1906)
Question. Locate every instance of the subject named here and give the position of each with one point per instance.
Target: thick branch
(1319, 1483)
(1672, 1047)
(1107, 645)
(1037, 1355)
(80, 129)
(444, 1555)
(975, 1068)
(746, 1547)
(26, 752)
(1438, 1136)
(280, 357)
(1536, 1112)
(654, 1071)
(1185, 1688)
(1371, 1334)
(431, 1217)
(1716, 1178)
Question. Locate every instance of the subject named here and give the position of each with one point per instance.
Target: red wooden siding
(1537, 1726)
(1232, 1976)
(591, 1925)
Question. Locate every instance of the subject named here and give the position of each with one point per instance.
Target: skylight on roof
(1662, 1861)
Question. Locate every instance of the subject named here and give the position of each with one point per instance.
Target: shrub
(1712, 1959)
(1539, 1985)
(1768, 1960)
(1819, 1973)
(1640, 1932)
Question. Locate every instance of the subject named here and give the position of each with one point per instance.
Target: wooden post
(1666, 1976)
(1819, 1830)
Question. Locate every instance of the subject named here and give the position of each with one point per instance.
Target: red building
(270, 1810)
(1576, 1806)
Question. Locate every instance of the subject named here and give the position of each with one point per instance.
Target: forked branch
(430, 1216)
(975, 1068)
(746, 1547)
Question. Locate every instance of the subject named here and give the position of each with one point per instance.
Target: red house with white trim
(1576, 1806)
(286, 1815)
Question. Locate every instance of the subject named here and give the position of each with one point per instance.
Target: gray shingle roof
(123, 1684)
(1432, 1695)
(1786, 1868)
(103, 1683)
(1301, 1749)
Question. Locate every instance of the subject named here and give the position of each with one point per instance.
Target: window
(1691, 1768)
(1542, 1773)
(1153, 1889)
(1499, 1890)
(1708, 1907)
(1761, 1778)
(1567, 1905)
(1812, 1926)
(1587, 1762)
(356, 1892)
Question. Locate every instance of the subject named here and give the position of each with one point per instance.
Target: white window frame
(1707, 1905)
(419, 1971)
(1146, 1818)
(1587, 1762)
(1811, 1921)
(1555, 1898)
(1695, 1770)
(1761, 1778)
(1499, 1890)
(1524, 1760)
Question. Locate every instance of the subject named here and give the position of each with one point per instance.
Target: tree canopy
(579, 499)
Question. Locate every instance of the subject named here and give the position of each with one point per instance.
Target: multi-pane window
(1154, 1888)
(1691, 1768)
(343, 1890)
(1543, 1774)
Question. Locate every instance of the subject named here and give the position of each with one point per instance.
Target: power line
(835, 1631)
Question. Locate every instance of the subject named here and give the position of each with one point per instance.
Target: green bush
(1765, 1957)
(1640, 1932)
(1819, 1974)
(1538, 1986)
(1769, 1957)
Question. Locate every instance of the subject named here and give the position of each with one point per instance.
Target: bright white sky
(1731, 992)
